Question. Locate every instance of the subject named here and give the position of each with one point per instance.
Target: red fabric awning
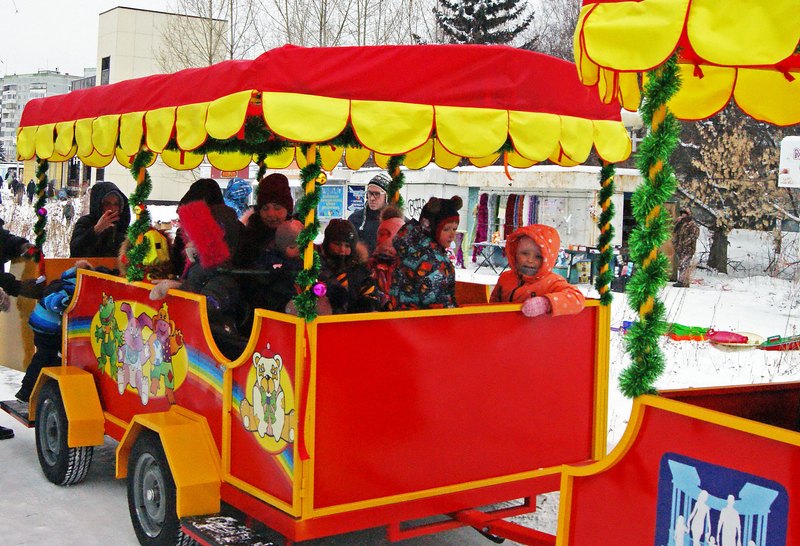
(447, 75)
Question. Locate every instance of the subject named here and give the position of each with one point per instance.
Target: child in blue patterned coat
(425, 278)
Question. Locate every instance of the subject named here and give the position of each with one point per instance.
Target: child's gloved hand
(159, 291)
(30, 288)
(536, 306)
(5, 301)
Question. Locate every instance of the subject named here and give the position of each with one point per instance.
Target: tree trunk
(718, 253)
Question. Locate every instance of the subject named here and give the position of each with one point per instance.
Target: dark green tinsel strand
(603, 280)
(653, 229)
(40, 235)
(261, 161)
(306, 301)
(398, 180)
(139, 246)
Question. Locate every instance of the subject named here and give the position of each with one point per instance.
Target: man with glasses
(368, 219)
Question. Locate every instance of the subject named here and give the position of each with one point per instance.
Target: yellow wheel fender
(191, 453)
(86, 423)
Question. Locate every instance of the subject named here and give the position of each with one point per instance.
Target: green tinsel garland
(306, 301)
(139, 246)
(653, 228)
(398, 180)
(42, 165)
(606, 275)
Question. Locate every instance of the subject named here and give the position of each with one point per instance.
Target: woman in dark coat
(101, 232)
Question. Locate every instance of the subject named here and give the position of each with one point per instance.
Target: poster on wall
(331, 203)
(355, 198)
(553, 212)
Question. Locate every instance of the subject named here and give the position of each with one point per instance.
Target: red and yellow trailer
(347, 422)
(344, 422)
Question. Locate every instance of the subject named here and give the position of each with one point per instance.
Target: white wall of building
(131, 39)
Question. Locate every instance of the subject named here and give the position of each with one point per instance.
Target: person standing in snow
(30, 189)
(12, 246)
(532, 252)
(685, 234)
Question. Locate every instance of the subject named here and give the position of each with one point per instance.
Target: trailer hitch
(494, 538)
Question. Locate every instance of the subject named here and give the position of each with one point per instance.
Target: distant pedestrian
(30, 189)
(685, 234)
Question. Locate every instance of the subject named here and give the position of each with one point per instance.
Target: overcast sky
(49, 34)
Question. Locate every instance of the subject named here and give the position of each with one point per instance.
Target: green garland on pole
(42, 166)
(306, 301)
(653, 229)
(139, 246)
(398, 180)
(606, 275)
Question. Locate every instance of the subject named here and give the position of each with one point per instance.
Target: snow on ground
(37, 512)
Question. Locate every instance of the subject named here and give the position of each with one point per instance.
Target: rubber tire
(149, 472)
(61, 464)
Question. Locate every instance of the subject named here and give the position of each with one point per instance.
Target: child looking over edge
(45, 321)
(532, 252)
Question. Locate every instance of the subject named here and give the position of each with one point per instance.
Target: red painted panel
(619, 506)
(262, 455)
(409, 404)
(196, 375)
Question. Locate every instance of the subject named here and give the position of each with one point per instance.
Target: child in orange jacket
(532, 252)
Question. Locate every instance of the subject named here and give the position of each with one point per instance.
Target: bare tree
(204, 32)
(554, 27)
(343, 22)
(735, 162)
(303, 22)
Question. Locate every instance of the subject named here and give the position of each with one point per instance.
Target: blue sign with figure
(703, 504)
(331, 202)
(355, 198)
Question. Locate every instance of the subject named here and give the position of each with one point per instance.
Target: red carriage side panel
(686, 472)
(265, 411)
(406, 404)
(144, 355)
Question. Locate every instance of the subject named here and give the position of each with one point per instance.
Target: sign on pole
(789, 169)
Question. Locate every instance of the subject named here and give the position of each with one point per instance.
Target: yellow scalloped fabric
(384, 129)
(615, 41)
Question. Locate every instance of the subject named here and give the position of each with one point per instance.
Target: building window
(105, 70)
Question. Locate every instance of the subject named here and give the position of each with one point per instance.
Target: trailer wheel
(151, 495)
(61, 464)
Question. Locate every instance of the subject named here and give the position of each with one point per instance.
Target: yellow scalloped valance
(383, 129)
(736, 48)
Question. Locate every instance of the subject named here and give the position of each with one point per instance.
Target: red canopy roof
(448, 75)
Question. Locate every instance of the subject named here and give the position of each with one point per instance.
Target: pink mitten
(536, 306)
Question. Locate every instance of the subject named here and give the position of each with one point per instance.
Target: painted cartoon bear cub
(267, 414)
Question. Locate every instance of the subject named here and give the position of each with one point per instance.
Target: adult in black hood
(101, 232)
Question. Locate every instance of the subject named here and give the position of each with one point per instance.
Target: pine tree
(482, 21)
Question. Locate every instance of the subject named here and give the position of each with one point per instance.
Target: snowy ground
(95, 512)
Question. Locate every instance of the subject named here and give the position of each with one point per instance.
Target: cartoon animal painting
(267, 414)
(108, 334)
(164, 343)
(133, 354)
